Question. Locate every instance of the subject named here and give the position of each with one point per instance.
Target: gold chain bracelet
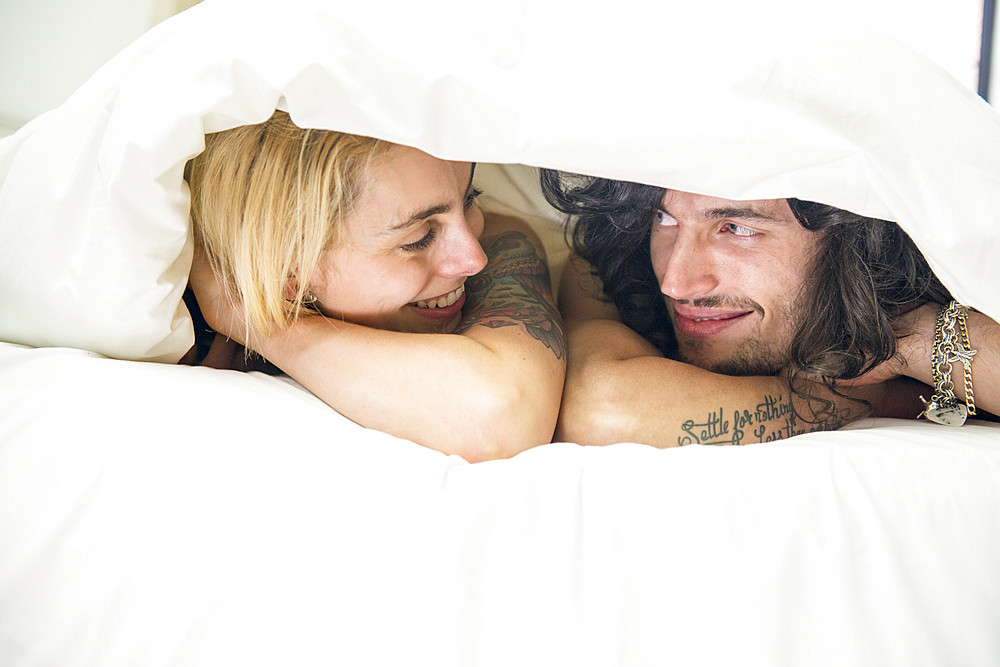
(951, 344)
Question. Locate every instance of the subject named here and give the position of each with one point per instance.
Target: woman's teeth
(444, 301)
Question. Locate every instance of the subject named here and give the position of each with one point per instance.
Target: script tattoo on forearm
(514, 290)
(773, 419)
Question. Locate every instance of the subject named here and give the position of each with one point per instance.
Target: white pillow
(735, 100)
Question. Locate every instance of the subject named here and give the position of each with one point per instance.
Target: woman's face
(407, 249)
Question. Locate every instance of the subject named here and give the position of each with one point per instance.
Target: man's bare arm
(620, 388)
(915, 356)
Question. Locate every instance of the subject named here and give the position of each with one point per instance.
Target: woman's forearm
(452, 393)
(488, 391)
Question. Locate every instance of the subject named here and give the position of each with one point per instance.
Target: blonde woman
(366, 272)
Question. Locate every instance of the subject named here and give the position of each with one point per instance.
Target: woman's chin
(433, 320)
(437, 325)
(408, 321)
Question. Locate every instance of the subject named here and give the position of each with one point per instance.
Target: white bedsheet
(130, 539)
(157, 515)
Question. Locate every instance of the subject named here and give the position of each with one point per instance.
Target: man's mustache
(723, 301)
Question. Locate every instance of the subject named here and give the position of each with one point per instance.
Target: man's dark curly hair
(866, 272)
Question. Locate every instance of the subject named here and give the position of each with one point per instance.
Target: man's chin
(750, 360)
(747, 368)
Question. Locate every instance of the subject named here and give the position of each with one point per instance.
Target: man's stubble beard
(753, 356)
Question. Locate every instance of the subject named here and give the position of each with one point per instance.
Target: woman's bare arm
(489, 391)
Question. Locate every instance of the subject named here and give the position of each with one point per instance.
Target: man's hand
(909, 375)
(916, 336)
(891, 392)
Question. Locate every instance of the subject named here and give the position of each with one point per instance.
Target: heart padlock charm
(952, 413)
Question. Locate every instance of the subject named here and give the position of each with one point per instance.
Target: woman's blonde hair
(267, 201)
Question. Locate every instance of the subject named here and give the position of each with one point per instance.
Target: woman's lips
(705, 322)
(441, 307)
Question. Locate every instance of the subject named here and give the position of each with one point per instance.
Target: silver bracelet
(951, 344)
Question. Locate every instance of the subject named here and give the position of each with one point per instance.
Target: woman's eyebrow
(417, 218)
(428, 212)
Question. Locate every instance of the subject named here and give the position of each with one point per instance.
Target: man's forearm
(984, 337)
(635, 395)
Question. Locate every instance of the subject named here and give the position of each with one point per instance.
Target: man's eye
(737, 230)
(665, 219)
(471, 198)
(423, 243)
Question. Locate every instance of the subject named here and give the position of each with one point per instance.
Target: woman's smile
(441, 301)
(442, 307)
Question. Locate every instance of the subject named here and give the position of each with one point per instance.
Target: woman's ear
(290, 291)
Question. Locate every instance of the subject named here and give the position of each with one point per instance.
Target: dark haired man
(792, 299)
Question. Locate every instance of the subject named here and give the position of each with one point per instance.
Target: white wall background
(946, 31)
(48, 48)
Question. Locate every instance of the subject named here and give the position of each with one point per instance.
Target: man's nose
(687, 269)
(463, 255)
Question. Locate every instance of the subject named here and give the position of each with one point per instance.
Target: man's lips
(696, 322)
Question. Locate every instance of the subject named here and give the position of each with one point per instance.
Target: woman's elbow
(509, 421)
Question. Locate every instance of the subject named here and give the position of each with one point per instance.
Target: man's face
(732, 274)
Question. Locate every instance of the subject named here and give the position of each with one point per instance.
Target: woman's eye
(423, 243)
(471, 198)
(737, 230)
(665, 219)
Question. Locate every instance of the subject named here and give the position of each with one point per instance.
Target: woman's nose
(463, 255)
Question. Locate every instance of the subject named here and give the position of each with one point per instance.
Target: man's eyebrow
(741, 213)
(429, 212)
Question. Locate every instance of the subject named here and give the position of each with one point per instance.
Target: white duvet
(153, 514)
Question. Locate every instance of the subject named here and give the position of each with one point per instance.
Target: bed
(155, 514)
